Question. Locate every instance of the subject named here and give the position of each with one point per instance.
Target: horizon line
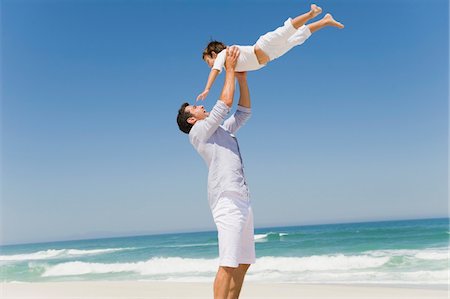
(204, 230)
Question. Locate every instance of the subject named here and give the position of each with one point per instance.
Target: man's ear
(213, 55)
(191, 120)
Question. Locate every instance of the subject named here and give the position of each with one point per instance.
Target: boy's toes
(315, 9)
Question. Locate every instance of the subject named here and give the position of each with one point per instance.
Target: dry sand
(174, 290)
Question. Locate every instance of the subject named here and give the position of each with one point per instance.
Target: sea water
(392, 252)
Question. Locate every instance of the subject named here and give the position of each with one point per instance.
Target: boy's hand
(203, 95)
(232, 57)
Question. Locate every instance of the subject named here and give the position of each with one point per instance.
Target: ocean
(389, 252)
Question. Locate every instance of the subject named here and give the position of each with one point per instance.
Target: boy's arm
(203, 130)
(243, 111)
(211, 78)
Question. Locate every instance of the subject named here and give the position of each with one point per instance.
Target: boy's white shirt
(275, 44)
(247, 60)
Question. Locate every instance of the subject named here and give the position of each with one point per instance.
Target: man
(227, 189)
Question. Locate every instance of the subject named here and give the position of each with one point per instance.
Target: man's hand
(231, 59)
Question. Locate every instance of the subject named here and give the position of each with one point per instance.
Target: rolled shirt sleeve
(238, 119)
(203, 129)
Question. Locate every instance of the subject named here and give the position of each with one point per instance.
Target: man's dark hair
(214, 46)
(182, 118)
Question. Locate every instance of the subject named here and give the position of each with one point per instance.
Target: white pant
(284, 38)
(234, 221)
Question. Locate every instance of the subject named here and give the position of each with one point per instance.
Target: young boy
(268, 47)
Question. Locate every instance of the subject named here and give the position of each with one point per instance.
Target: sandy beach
(174, 290)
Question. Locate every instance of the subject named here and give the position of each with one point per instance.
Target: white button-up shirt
(219, 148)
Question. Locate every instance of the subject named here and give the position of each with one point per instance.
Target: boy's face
(209, 60)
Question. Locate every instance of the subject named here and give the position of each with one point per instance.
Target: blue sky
(350, 126)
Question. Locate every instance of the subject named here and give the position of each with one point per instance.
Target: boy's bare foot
(315, 10)
(330, 21)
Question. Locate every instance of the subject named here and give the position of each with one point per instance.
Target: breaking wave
(57, 253)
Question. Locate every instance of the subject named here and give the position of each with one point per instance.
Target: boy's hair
(214, 46)
(182, 118)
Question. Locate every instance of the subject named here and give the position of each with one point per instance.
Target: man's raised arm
(244, 98)
(227, 94)
(203, 130)
(243, 112)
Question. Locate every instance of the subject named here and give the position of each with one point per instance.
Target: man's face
(198, 112)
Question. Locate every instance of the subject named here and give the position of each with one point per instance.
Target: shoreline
(260, 290)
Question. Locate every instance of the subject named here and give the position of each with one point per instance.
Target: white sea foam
(186, 245)
(441, 253)
(156, 266)
(264, 237)
(367, 267)
(57, 253)
(433, 255)
(326, 268)
(319, 263)
(260, 236)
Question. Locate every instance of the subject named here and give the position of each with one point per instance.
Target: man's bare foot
(330, 21)
(315, 10)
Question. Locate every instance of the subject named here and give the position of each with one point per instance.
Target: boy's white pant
(284, 38)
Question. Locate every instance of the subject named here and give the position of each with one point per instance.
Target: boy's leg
(301, 20)
(275, 43)
(327, 20)
(267, 47)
